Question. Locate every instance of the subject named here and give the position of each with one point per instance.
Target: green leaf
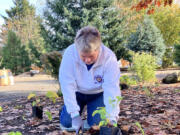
(49, 115)
(119, 98)
(11, 133)
(1, 109)
(139, 126)
(102, 123)
(115, 124)
(31, 95)
(34, 103)
(52, 96)
(95, 112)
(18, 133)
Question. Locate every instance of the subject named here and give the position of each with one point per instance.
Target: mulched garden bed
(156, 108)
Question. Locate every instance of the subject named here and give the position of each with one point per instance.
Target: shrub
(144, 66)
(128, 80)
(51, 62)
(147, 38)
(167, 60)
(177, 54)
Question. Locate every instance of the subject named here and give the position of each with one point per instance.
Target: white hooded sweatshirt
(103, 76)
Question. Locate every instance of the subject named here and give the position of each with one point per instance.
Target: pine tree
(65, 18)
(23, 21)
(147, 38)
(15, 55)
(21, 9)
(34, 54)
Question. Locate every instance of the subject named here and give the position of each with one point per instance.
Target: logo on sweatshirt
(98, 79)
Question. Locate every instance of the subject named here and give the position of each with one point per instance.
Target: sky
(7, 4)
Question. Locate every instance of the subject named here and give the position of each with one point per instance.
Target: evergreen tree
(15, 55)
(23, 21)
(177, 54)
(147, 38)
(65, 18)
(34, 54)
(21, 9)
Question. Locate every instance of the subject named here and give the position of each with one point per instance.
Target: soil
(157, 109)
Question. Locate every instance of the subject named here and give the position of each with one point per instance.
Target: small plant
(15, 133)
(140, 127)
(148, 92)
(144, 66)
(128, 80)
(49, 115)
(36, 101)
(103, 114)
(37, 108)
(52, 96)
(1, 109)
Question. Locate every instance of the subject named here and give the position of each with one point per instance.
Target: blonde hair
(88, 39)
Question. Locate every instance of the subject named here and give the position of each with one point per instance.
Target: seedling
(103, 114)
(37, 108)
(52, 96)
(36, 101)
(15, 133)
(140, 127)
(148, 92)
(1, 109)
(49, 115)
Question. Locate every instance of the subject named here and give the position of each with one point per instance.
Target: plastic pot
(37, 111)
(110, 131)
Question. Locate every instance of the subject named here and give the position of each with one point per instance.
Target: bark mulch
(156, 108)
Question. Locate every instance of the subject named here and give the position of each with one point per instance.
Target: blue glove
(77, 123)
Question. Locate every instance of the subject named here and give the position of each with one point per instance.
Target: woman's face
(89, 57)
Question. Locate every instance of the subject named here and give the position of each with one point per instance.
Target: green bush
(144, 66)
(167, 60)
(128, 80)
(51, 62)
(177, 54)
(147, 38)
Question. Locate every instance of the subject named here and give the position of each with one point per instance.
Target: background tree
(34, 54)
(147, 38)
(150, 5)
(177, 54)
(73, 15)
(167, 19)
(23, 21)
(15, 55)
(133, 18)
